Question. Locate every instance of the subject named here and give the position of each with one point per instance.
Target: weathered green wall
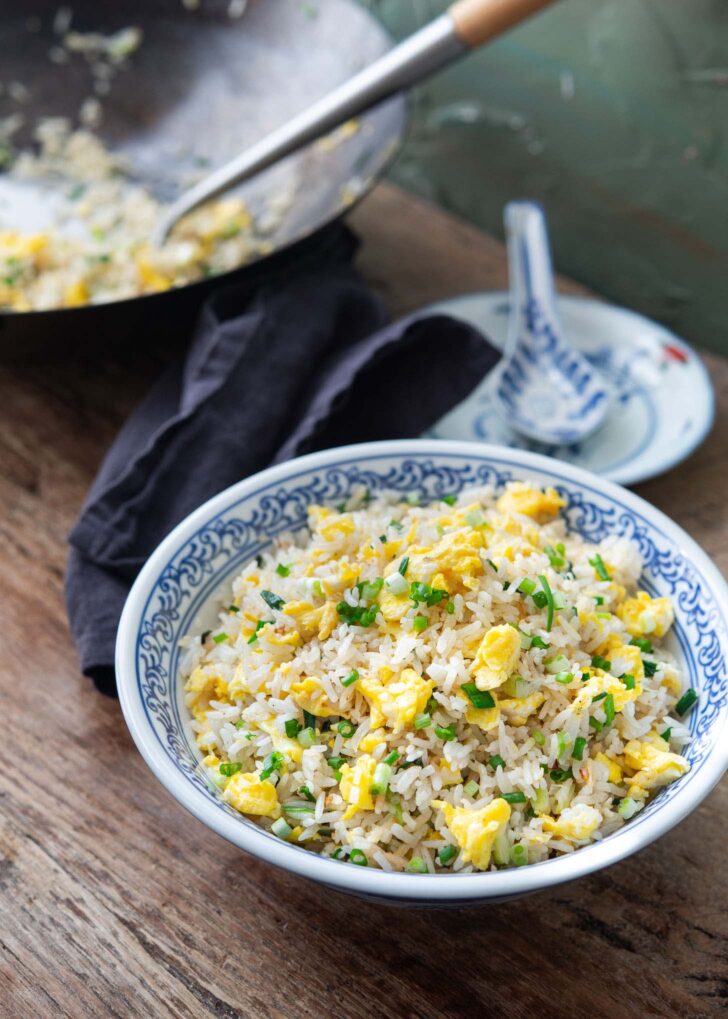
(614, 114)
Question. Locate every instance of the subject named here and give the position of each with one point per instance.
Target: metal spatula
(466, 25)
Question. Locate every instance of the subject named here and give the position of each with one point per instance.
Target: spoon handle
(533, 296)
(466, 25)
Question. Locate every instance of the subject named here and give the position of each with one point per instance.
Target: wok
(201, 87)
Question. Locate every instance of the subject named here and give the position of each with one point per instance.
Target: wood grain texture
(115, 902)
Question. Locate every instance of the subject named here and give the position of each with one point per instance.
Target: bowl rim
(437, 888)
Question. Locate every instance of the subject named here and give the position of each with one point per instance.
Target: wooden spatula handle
(477, 21)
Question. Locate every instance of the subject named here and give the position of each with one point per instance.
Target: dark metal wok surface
(201, 87)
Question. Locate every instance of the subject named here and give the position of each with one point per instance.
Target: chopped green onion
(391, 758)
(538, 738)
(478, 698)
(297, 808)
(419, 623)
(446, 732)
(559, 775)
(496, 761)
(358, 857)
(422, 721)
(351, 678)
(240, 724)
(370, 589)
(396, 524)
(383, 538)
(666, 734)
(585, 677)
(599, 697)
(599, 568)
(519, 855)
(337, 853)
(259, 626)
(410, 764)
(281, 828)
(292, 727)
(382, 775)
(420, 592)
(336, 762)
(649, 667)
(204, 635)
(282, 570)
(273, 601)
(539, 642)
(396, 584)
(273, 762)
(229, 768)
(601, 663)
(526, 586)
(450, 608)
(492, 565)
(595, 724)
(686, 702)
(413, 498)
(563, 741)
(518, 797)
(539, 599)
(306, 737)
(609, 709)
(578, 752)
(557, 664)
(471, 788)
(233, 608)
(627, 808)
(549, 601)
(446, 854)
(599, 599)
(417, 865)
(474, 518)
(317, 588)
(309, 719)
(556, 556)
(357, 615)
(628, 680)
(346, 728)
(450, 499)
(564, 677)
(540, 802)
(604, 615)
(220, 637)
(643, 644)
(402, 568)
(307, 794)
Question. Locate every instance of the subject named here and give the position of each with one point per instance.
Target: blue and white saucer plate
(662, 395)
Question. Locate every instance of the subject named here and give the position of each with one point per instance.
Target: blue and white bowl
(208, 548)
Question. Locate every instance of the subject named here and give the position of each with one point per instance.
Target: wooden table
(115, 902)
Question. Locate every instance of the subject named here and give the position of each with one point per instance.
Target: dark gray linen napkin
(299, 360)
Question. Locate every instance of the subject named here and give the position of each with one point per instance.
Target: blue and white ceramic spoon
(544, 388)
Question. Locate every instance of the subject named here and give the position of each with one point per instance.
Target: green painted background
(614, 114)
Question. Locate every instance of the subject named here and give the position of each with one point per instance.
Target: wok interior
(201, 87)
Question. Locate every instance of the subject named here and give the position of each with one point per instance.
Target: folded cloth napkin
(300, 359)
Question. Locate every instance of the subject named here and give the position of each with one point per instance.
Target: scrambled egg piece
(497, 657)
(204, 688)
(654, 768)
(624, 658)
(484, 718)
(614, 771)
(602, 682)
(310, 695)
(282, 743)
(449, 775)
(393, 606)
(455, 557)
(518, 710)
(574, 823)
(520, 497)
(646, 617)
(247, 793)
(330, 525)
(397, 703)
(356, 785)
(475, 831)
(372, 740)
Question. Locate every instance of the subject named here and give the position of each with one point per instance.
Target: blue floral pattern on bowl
(210, 557)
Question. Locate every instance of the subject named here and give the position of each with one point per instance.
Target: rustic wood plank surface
(115, 902)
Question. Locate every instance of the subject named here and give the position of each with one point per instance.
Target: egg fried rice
(459, 686)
